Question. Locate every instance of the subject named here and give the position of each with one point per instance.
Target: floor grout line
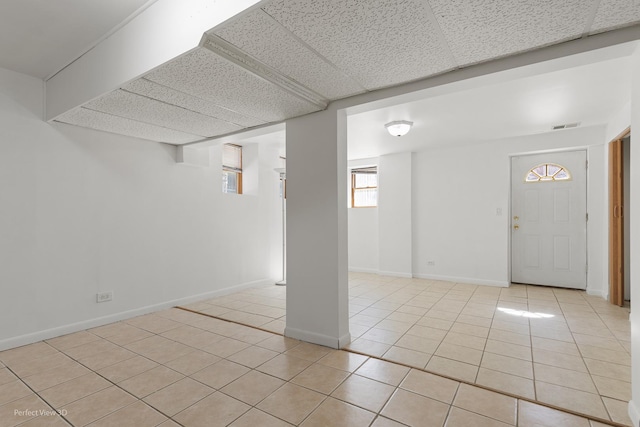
(515, 396)
(399, 300)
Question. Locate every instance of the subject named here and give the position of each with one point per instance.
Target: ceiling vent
(566, 126)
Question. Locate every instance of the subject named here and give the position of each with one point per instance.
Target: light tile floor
(557, 346)
(177, 368)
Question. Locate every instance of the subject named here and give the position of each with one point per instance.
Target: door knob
(515, 227)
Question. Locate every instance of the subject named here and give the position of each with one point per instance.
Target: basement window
(364, 187)
(548, 172)
(231, 169)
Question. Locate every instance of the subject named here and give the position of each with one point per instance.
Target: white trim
(231, 53)
(100, 321)
(512, 156)
(395, 274)
(315, 338)
(598, 293)
(468, 280)
(363, 270)
(344, 340)
(634, 413)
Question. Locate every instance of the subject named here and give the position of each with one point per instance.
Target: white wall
(363, 240)
(363, 228)
(380, 238)
(85, 212)
(618, 122)
(454, 232)
(394, 215)
(458, 190)
(634, 405)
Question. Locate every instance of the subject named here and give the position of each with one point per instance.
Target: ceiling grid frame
(232, 54)
(595, 5)
(128, 88)
(315, 52)
(85, 117)
(179, 107)
(434, 20)
(138, 107)
(261, 36)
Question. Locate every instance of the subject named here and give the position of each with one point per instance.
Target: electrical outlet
(104, 296)
(431, 263)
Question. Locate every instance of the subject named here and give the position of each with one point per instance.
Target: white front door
(549, 219)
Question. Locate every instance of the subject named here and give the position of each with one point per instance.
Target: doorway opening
(619, 173)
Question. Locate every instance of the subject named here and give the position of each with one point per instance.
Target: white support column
(163, 31)
(317, 276)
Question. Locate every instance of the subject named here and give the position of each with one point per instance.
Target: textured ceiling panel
(203, 74)
(378, 42)
(258, 35)
(108, 123)
(170, 96)
(147, 110)
(478, 30)
(614, 14)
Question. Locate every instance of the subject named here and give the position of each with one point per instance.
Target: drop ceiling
(588, 94)
(288, 58)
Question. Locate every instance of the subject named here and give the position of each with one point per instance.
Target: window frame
(354, 171)
(547, 177)
(232, 169)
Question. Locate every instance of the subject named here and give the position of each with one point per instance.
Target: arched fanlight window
(548, 172)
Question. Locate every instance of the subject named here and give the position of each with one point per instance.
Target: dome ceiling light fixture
(399, 127)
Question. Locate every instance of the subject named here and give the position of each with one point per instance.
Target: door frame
(510, 201)
(615, 233)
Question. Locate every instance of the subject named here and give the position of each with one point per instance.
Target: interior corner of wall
(191, 156)
(597, 292)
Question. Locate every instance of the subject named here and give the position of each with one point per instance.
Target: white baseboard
(634, 413)
(598, 293)
(30, 338)
(362, 270)
(468, 280)
(344, 340)
(316, 338)
(395, 274)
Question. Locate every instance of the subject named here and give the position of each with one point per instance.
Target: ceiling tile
(258, 35)
(478, 30)
(613, 14)
(378, 42)
(109, 123)
(208, 76)
(180, 99)
(147, 110)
